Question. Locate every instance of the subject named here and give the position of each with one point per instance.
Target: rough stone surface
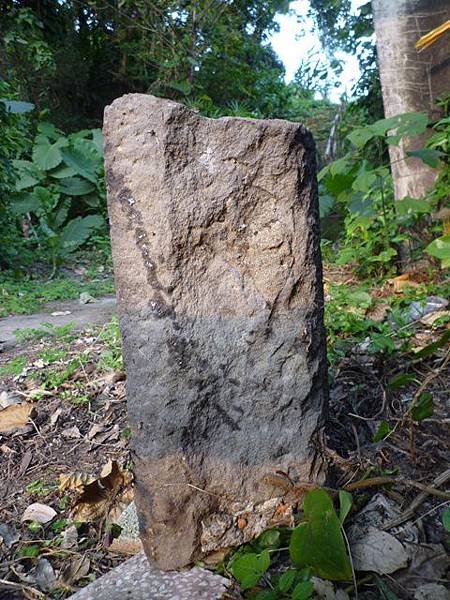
(136, 579)
(218, 275)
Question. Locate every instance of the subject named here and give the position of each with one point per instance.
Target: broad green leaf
(77, 231)
(29, 175)
(62, 172)
(412, 124)
(286, 580)
(269, 539)
(364, 181)
(319, 543)
(401, 380)
(80, 163)
(24, 203)
(49, 130)
(338, 183)
(303, 591)
(340, 166)
(61, 214)
(429, 156)
(382, 431)
(361, 204)
(360, 137)
(97, 138)
(249, 568)
(424, 407)
(410, 205)
(440, 248)
(75, 186)
(45, 155)
(45, 197)
(345, 505)
(446, 519)
(326, 203)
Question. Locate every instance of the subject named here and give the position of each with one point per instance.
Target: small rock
(86, 298)
(61, 313)
(42, 513)
(71, 433)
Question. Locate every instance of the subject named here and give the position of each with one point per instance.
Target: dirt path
(81, 315)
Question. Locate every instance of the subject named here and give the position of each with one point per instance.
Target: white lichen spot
(208, 160)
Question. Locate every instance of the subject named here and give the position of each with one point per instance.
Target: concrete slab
(135, 579)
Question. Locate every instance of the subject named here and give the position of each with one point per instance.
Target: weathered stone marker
(217, 264)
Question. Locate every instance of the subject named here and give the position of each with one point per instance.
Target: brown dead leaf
(16, 417)
(378, 313)
(75, 570)
(402, 282)
(431, 318)
(107, 495)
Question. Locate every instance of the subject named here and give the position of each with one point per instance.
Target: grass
(26, 296)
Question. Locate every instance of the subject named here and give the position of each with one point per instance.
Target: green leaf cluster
(60, 190)
(316, 547)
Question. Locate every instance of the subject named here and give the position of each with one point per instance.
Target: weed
(14, 367)
(40, 488)
(48, 330)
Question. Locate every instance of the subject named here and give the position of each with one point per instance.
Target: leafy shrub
(59, 191)
(376, 225)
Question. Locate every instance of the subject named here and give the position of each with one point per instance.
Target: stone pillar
(215, 238)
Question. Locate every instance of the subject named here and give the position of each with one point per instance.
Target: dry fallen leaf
(98, 497)
(434, 316)
(75, 570)
(378, 312)
(403, 281)
(15, 417)
(42, 513)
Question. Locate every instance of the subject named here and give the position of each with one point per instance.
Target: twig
(419, 500)
(21, 587)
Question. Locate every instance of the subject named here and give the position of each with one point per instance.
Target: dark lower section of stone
(216, 405)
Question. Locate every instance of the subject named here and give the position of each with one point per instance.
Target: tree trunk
(411, 81)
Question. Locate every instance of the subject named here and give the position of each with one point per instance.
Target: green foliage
(249, 568)
(40, 488)
(59, 194)
(375, 225)
(316, 546)
(318, 541)
(446, 519)
(423, 408)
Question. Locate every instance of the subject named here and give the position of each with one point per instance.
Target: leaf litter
(72, 456)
